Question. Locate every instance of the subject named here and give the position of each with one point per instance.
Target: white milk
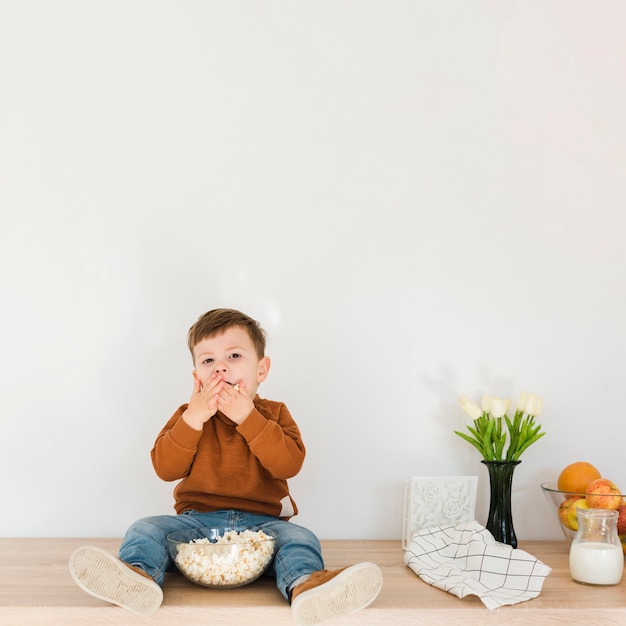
(596, 563)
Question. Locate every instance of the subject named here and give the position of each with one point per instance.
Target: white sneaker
(327, 594)
(104, 576)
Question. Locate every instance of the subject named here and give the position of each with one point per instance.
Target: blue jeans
(298, 550)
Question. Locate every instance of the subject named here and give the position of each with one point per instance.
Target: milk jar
(596, 556)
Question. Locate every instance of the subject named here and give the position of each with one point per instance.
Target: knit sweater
(226, 466)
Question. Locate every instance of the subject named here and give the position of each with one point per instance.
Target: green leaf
(475, 443)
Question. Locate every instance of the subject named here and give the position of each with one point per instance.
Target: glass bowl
(221, 557)
(562, 502)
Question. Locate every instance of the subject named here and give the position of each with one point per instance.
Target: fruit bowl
(221, 557)
(564, 505)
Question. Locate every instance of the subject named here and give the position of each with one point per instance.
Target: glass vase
(500, 520)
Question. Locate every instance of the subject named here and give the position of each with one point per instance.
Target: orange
(576, 477)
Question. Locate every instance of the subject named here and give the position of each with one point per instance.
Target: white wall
(417, 199)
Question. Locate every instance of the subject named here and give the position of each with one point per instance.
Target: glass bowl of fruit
(579, 486)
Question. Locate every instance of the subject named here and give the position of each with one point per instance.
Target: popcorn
(240, 558)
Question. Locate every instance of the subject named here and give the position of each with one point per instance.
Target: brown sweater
(225, 466)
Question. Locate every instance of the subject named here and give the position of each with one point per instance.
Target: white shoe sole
(351, 590)
(104, 576)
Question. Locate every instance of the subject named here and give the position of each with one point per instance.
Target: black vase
(500, 520)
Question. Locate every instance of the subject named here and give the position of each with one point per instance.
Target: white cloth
(467, 560)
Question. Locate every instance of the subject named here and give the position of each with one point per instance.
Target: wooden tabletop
(36, 590)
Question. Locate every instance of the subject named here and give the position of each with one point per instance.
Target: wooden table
(36, 590)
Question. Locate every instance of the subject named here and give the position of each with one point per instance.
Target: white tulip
(534, 405)
(530, 404)
(499, 406)
(486, 403)
(521, 401)
(470, 407)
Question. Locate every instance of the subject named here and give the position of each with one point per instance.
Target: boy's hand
(235, 403)
(203, 403)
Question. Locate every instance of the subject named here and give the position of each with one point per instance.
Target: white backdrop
(416, 199)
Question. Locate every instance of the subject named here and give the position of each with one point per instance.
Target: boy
(234, 452)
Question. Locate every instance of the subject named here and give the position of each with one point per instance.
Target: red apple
(603, 494)
(621, 520)
(572, 512)
(564, 511)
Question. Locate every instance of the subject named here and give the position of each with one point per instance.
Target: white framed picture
(438, 501)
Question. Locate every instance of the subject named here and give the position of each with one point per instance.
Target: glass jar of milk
(596, 556)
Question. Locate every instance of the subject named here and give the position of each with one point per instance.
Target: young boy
(234, 452)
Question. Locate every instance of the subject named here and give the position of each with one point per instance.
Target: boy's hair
(217, 321)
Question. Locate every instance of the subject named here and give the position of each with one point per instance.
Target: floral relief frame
(438, 501)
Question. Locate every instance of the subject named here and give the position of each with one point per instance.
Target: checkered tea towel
(467, 560)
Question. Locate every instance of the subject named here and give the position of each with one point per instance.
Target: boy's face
(232, 356)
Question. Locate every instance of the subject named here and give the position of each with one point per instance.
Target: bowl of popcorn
(221, 557)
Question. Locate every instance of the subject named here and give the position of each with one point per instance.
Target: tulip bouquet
(488, 435)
